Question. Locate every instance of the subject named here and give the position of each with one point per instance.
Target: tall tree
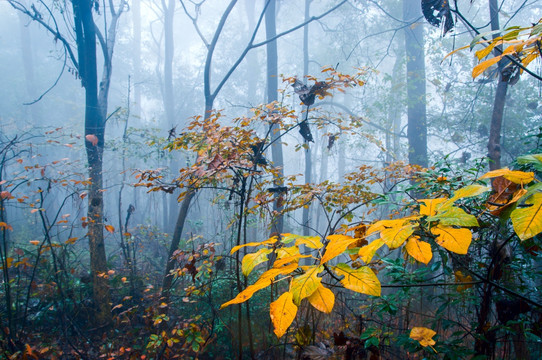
(84, 58)
(416, 89)
(494, 142)
(308, 154)
(272, 95)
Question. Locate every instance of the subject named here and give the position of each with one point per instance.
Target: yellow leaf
(481, 67)
(423, 335)
(322, 299)
(459, 277)
(303, 286)
(252, 260)
(362, 280)
(517, 177)
(289, 259)
(283, 312)
(336, 246)
(419, 250)
(264, 281)
(465, 192)
(455, 240)
(285, 252)
(368, 251)
(384, 224)
(312, 242)
(429, 206)
(527, 221)
(266, 242)
(482, 53)
(110, 228)
(395, 237)
(454, 216)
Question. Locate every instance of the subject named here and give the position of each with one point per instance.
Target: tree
(416, 100)
(84, 58)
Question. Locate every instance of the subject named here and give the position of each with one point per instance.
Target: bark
(416, 90)
(308, 155)
(272, 95)
(494, 143)
(179, 226)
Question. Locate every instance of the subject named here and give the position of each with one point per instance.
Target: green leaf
(454, 216)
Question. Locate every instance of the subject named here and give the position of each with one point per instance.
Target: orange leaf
(93, 139)
(110, 228)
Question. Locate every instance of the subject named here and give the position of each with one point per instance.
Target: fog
(141, 141)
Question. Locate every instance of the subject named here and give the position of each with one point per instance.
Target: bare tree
(83, 55)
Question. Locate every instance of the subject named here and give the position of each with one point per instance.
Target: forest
(271, 179)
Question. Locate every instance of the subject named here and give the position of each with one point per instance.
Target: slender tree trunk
(179, 226)
(136, 20)
(272, 95)
(494, 143)
(252, 57)
(94, 127)
(28, 65)
(416, 95)
(308, 155)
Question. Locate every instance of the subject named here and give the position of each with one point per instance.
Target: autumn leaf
(517, 177)
(110, 228)
(368, 251)
(263, 281)
(429, 206)
(455, 240)
(362, 280)
(527, 221)
(480, 68)
(93, 139)
(423, 335)
(454, 216)
(266, 242)
(396, 236)
(336, 246)
(419, 250)
(460, 277)
(312, 242)
(322, 299)
(466, 192)
(283, 312)
(250, 261)
(303, 286)
(384, 224)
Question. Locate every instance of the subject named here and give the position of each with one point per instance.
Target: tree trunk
(272, 95)
(308, 157)
(416, 96)
(28, 65)
(494, 142)
(136, 20)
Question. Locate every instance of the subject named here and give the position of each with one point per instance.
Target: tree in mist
(84, 58)
(415, 83)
